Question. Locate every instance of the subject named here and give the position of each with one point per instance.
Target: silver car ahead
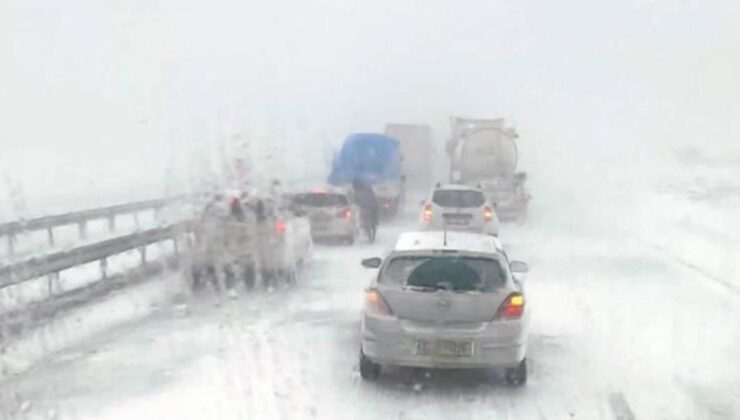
(459, 207)
(332, 214)
(445, 300)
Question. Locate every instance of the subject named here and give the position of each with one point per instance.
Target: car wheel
(291, 275)
(350, 240)
(517, 376)
(369, 370)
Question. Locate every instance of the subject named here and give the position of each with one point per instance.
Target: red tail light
(487, 214)
(427, 214)
(375, 304)
(512, 308)
(280, 226)
(345, 213)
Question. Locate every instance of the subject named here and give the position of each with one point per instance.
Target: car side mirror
(519, 267)
(422, 202)
(372, 262)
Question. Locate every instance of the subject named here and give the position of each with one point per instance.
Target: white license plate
(458, 222)
(444, 348)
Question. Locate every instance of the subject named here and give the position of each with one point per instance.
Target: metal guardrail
(53, 263)
(80, 218)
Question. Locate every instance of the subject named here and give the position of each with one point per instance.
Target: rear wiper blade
(420, 288)
(467, 291)
(445, 285)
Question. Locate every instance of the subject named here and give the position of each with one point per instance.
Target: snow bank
(77, 325)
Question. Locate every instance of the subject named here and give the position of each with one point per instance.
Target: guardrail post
(53, 282)
(142, 251)
(104, 268)
(83, 230)
(136, 219)
(11, 244)
(175, 246)
(112, 223)
(50, 233)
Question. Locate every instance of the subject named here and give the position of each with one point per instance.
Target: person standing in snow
(369, 208)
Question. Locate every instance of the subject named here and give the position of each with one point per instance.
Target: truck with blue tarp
(372, 159)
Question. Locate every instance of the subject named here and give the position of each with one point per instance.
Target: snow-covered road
(618, 331)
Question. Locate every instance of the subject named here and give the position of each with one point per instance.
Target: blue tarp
(368, 157)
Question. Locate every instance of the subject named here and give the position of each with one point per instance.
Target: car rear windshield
(320, 200)
(458, 274)
(458, 198)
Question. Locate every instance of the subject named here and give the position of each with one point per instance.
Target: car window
(320, 200)
(458, 198)
(460, 274)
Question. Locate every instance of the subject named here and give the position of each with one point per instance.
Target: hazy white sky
(99, 95)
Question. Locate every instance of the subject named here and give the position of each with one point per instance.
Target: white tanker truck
(483, 152)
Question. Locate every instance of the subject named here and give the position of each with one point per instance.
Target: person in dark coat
(369, 208)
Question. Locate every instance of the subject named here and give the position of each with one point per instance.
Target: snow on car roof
(457, 187)
(456, 241)
(321, 190)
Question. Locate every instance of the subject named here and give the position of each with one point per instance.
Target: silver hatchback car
(445, 300)
(331, 212)
(459, 207)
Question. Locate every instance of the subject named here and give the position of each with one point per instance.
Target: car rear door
(322, 208)
(459, 208)
(444, 307)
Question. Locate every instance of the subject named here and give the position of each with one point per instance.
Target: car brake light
(280, 226)
(512, 308)
(375, 304)
(487, 214)
(345, 213)
(427, 214)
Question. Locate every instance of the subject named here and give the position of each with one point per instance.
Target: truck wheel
(369, 370)
(517, 376)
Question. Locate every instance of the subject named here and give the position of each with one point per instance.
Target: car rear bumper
(335, 229)
(494, 344)
(486, 229)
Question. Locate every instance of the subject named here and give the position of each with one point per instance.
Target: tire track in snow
(619, 406)
(733, 289)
